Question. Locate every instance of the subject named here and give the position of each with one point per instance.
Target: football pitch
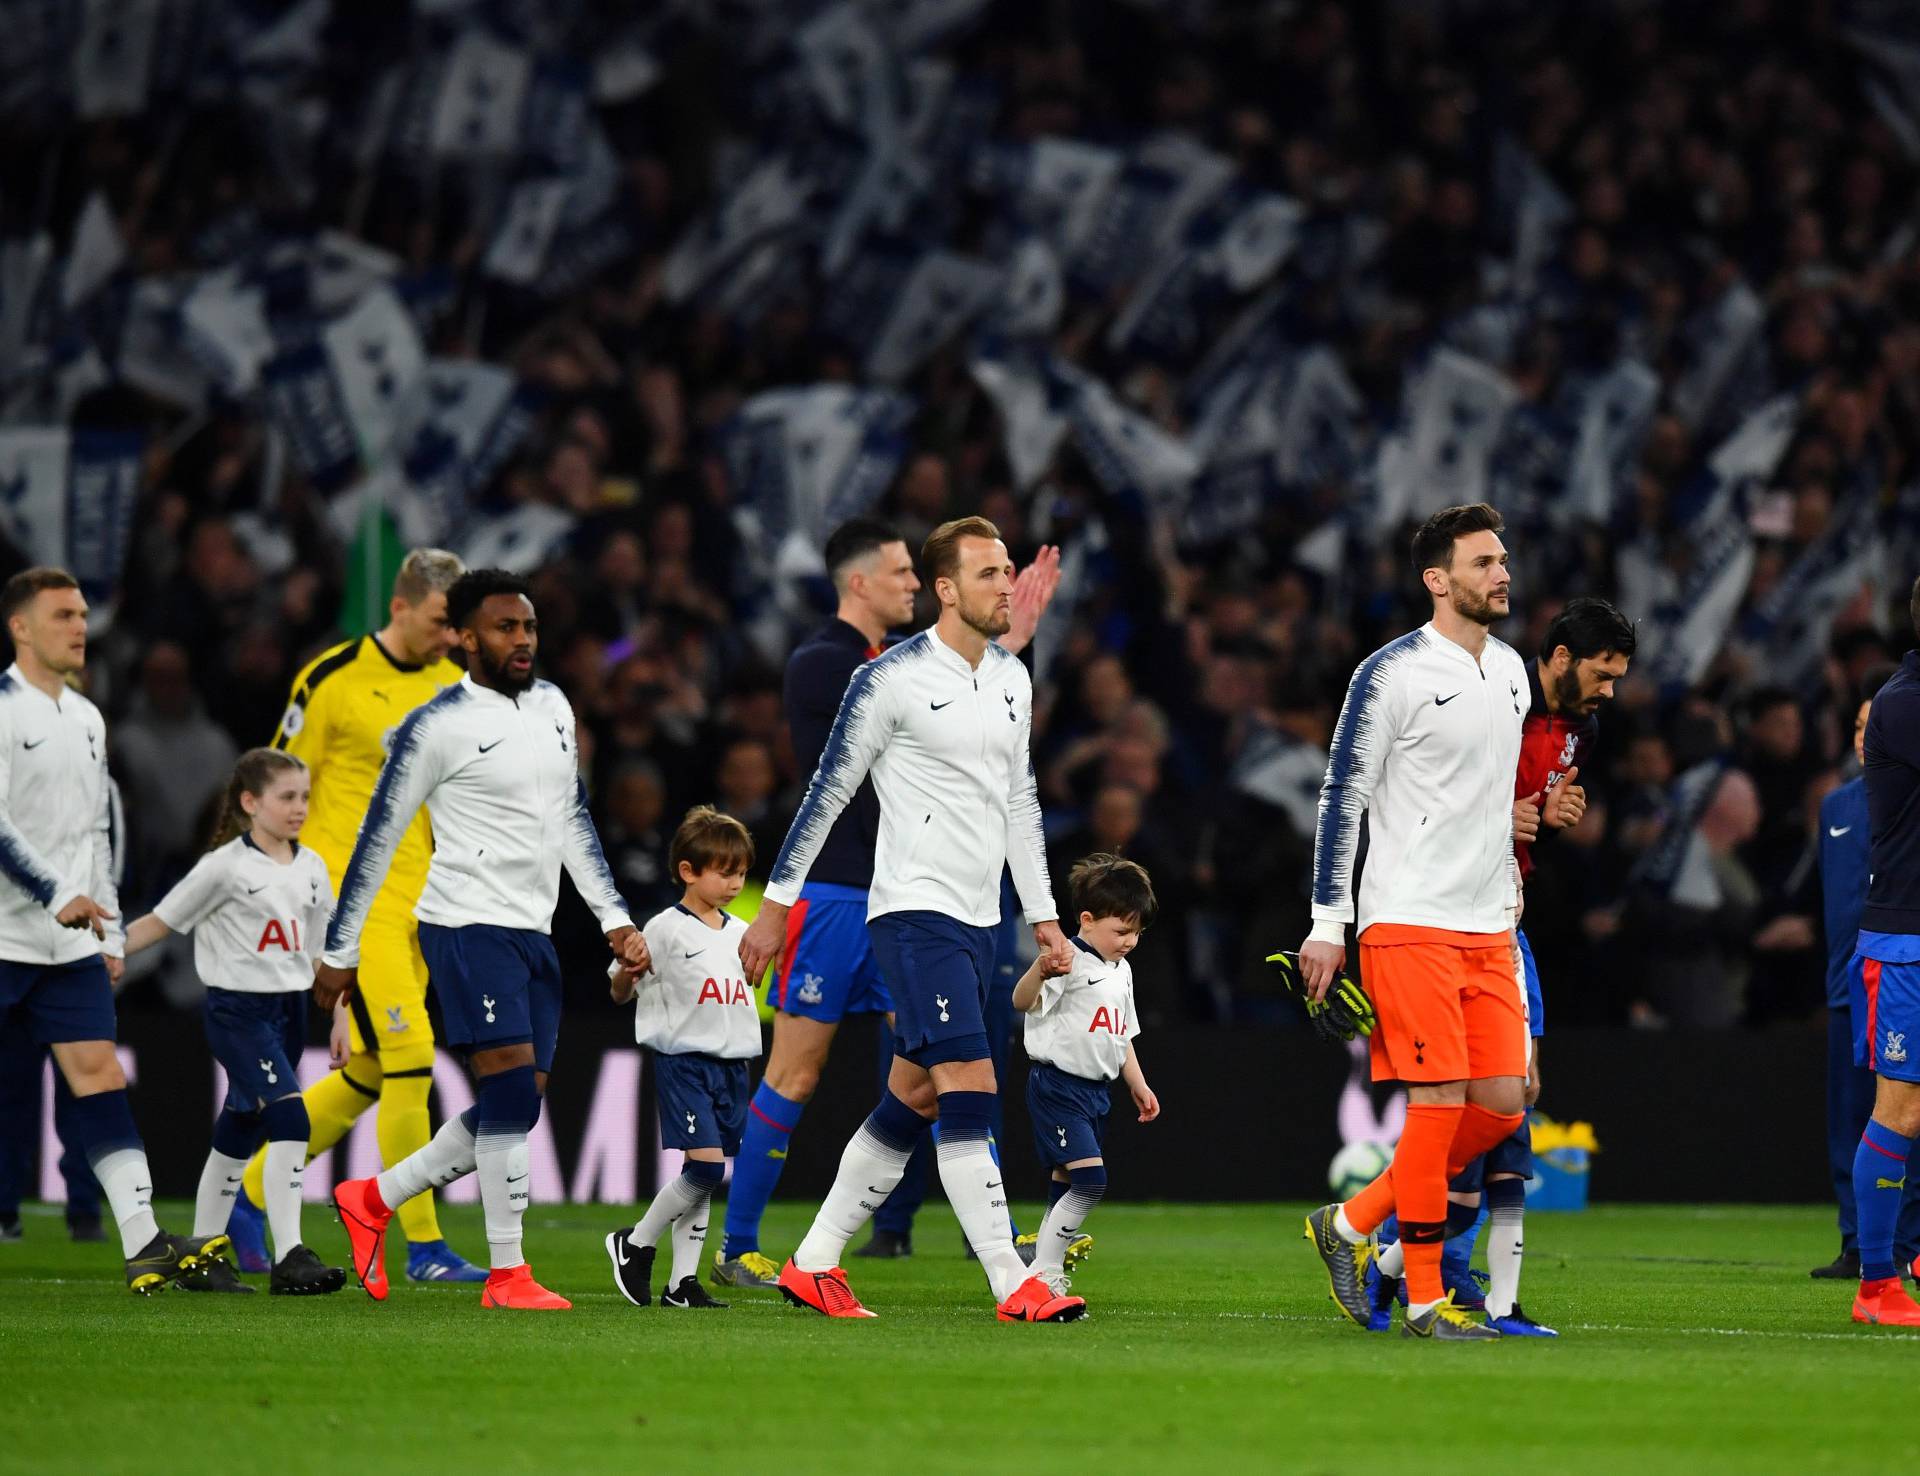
(1693, 1340)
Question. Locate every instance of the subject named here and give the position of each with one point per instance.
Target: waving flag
(942, 294)
(768, 202)
(1031, 426)
(1126, 450)
(1457, 409)
(66, 498)
(1717, 337)
(1616, 412)
(806, 460)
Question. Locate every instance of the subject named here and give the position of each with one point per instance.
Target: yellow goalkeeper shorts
(389, 1006)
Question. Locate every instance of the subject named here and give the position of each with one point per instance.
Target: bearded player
(344, 706)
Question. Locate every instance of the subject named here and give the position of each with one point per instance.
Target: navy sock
(237, 1134)
(895, 1123)
(771, 1119)
(701, 1171)
(1055, 1188)
(285, 1121)
(104, 1122)
(1879, 1179)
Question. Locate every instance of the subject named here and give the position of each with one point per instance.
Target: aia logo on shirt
(275, 935)
(1113, 1022)
(725, 992)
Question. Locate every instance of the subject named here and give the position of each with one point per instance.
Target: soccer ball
(1356, 1166)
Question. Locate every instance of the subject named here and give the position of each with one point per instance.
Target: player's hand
(765, 936)
(1144, 1099)
(116, 967)
(1533, 1074)
(84, 912)
(339, 1038)
(622, 983)
(1056, 953)
(1526, 818)
(630, 948)
(1566, 804)
(1033, 591)
(1320, 965)
(333, 986)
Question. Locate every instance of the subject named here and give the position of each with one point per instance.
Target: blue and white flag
(805, 460)
(521, 540)
(67, 499)
(1283, 771)
(1125, 449)
(458, 426)
(1791, 624)
(97, 253)
(1055, 186)
(1616, 411)
(941, 295)
(1756, 445)
(624, 70)
(1033, 293)
(770, 201)
(1456, 410)
(1318, 436)
(850, 70)
(113, 57)
(24, 284)
(483, 90)
(1678, 865)
(1031, 426)
(1689, 633)
(1717, 337)
(1227, 500)
(376, 354)
(1531, 207)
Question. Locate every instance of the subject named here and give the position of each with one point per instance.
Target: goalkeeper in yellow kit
(345, 703)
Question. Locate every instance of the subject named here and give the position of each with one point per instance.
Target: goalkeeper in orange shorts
(1425, 749)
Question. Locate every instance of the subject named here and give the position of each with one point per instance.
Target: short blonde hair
(426, 571)
(940, 555)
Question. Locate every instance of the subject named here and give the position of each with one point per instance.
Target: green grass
(1694, 1341)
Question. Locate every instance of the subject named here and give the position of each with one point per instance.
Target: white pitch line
(1600, 1327)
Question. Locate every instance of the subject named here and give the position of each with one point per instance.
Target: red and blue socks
(1879, 1180)
(771, 1119)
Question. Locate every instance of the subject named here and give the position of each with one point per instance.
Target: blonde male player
(345, 704)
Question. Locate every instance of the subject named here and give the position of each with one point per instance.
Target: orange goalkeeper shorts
(1451, 1006)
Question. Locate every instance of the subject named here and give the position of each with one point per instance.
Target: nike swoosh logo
(33, 745)
(261, 888)
(231, 1179)
(696, 953)
(516, 1180)
(620, 1250)
(489, 747)
(1836, 831)
(996, 1184)
(938, 705)
(375, 691)
(875, 1189)
(1443, 701)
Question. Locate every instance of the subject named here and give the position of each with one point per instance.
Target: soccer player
(1889, 950)
(1080, 1031)
(345, 706)
(493, 759)
(1586, 650)
(827, 968)
(1426, 748)
(257, 905)
(698, 1017)
(61, 946)
(1844, 839)
(943, 721)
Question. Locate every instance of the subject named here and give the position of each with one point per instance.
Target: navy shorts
(1886, 1030)
(1513, 1154)
(496, 986)
(827, 968)
(60, 1002)
(258, 1039)
(937, 969)
(1069, 1114)
(1536, 1006)
(702, 1100)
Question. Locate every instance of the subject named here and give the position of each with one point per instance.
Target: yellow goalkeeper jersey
(346, 703)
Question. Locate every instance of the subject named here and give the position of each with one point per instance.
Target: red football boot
(366, 1220)
(1886, 1303)
(826, 1292)
(1034, 1301)
(514, 1288)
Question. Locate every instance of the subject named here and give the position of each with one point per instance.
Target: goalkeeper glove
(1346, 1012)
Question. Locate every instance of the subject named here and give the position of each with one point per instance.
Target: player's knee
(415, 1056)
(796, 1081)
(286, 1121)
(1505, 1095)
(90, 1067)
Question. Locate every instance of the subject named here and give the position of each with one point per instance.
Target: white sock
(976, 1190)
(286, 1176)
(1062, 1227)
(1343, 1227)
(869, 1169)
(1393, 1260)
(128, 1184)
(689, 1236)
(1506, 1247)
(1421, 1309)
(673, 1201)
(448, 1156)
(504, 1164)
(219, 1181)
